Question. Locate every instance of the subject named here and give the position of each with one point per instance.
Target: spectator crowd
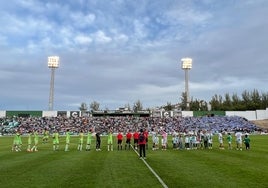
(102, 125)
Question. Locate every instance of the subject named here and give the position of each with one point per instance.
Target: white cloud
(121, 38)
(126, 51)
(81, 20)
(187, 17)
(101, 37)
(3, 40)
(139, 29)
(184, 14)
(82, 39)
(30, 5)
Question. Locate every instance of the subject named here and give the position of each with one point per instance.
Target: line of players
(33, 140)
(239, 139)
(199, 140)
(202, 140)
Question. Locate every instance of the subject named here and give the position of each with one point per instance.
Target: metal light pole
(53, 63)
(186, 65)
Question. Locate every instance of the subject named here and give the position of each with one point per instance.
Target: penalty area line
(152, 170)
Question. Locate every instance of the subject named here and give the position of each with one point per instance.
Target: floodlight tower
(53, 63)
(186, 65)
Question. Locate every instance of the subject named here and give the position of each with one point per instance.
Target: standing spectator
(238, 136)
(119, 140)
(136, 139)
(128, 139)
(98, 141)
(142, 143)
(247, 142)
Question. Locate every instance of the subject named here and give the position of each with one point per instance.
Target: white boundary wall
(187, 113)
(250, 115)
(2, 114)
(49, 113)
(262, 114)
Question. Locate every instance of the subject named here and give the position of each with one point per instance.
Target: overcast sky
(120, 51)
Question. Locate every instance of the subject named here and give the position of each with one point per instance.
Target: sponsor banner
(74, 113)
(156, 113)
(62, 113)
(166, 114)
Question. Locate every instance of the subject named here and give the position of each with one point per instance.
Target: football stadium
(180, 151)
(133, 94)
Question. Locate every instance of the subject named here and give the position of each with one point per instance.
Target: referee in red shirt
(142, 143)
(136, 139)
(119, 140)
(128, 139)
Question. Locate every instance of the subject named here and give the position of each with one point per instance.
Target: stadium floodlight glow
(186, 65)
(53, 63)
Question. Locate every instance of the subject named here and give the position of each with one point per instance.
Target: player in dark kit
(98, 142)
(142, 144)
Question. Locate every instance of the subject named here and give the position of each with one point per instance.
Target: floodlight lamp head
(186, 63)
(53, 61)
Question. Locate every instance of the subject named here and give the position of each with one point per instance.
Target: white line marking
(150, 168)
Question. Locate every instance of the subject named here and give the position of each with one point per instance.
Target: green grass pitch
(192, 168)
